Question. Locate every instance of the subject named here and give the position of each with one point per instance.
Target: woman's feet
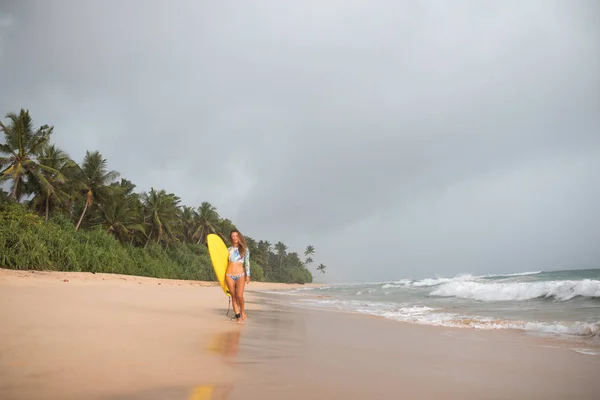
(239, 317)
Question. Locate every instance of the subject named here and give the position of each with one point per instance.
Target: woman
(238, 272)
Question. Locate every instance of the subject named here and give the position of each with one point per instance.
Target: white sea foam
(439, 281)
(431, 316)
(280, 292)
(495, 291)
(588, 352)
(465, 277)
(397, 284)
(290, 292)
(458, 302)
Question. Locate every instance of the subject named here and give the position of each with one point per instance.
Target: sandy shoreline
(68, 335)
(104, 336)
(88, 277)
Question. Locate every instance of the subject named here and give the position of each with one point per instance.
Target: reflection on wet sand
(226, 344)
(211, 392)
(203, 392)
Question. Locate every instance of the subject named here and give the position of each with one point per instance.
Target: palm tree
(264, 249)
(281, 248)
(93, 179)
(310, 250)
(56, 191)
(208, 218)
(321, 268)
(23, 145)
(162, 214)
(119, 212)
(126, 186)
(224, 228)
(252, 246)
(188, 223)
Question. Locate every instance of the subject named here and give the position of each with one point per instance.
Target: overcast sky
(400, 138)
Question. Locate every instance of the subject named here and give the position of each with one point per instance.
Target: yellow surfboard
(219, 257)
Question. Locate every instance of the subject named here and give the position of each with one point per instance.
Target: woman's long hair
(242, 246)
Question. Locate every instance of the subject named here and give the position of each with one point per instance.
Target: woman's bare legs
(231, 285)
(239, 291)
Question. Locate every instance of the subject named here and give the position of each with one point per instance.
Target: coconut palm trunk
(47, 206)
(13, 193)
(87, 203)
(149, 238)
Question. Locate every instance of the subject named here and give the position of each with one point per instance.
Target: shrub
(27, 242)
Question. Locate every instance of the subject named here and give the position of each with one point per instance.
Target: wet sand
(299, 354)
(113, 337)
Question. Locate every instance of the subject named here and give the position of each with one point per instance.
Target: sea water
(556, 303)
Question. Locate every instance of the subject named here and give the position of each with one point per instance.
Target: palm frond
(6, 149)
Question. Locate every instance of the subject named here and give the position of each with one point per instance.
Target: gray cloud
(461, 138)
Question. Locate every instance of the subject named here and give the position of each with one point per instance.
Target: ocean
(565, 304)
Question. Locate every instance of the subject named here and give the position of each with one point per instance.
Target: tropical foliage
(62, 215)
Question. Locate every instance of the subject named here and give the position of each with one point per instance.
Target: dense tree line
(55, 205)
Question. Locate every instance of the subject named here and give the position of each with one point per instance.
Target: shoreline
(586, 342)
(107, 338)
(91, 277)
(352, 355)
(271, 290)
(579, 345)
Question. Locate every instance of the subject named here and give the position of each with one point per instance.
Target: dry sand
(77, 335)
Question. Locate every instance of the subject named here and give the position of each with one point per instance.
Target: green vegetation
(64, 216)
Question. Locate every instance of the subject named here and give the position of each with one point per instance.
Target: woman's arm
(247, 262)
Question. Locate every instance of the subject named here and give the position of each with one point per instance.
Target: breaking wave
(516, 291)
(563, 303)
(439, 281)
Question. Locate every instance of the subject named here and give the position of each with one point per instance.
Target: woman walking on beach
(238, 272)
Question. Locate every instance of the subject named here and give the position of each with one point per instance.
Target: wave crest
(439, 281)
(515, 291)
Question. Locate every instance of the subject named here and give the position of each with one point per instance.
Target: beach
(102, 336)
